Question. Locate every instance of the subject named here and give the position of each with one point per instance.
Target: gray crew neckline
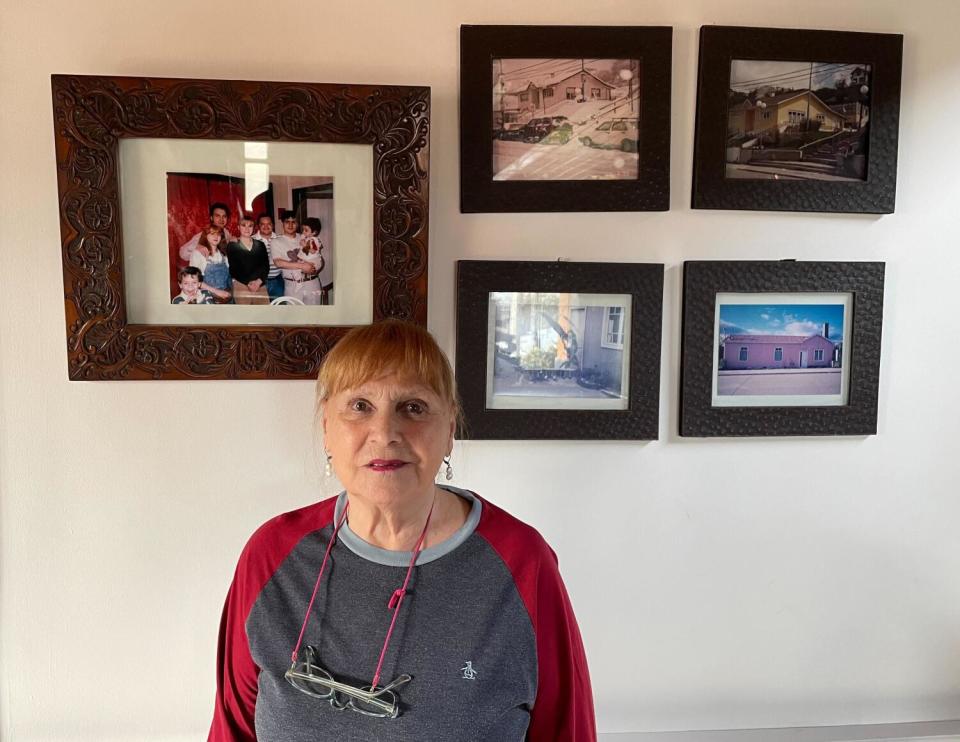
(389, 558)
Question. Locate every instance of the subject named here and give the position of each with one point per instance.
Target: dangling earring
(448, 472)
(327, 469)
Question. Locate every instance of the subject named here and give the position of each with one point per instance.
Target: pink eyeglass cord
(395, 599)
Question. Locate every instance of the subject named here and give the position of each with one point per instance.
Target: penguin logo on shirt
(468, 672)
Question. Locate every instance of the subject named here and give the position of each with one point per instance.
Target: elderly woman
(400, 609)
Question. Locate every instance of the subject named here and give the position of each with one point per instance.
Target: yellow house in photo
(780, 111)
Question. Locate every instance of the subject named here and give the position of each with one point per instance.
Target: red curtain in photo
(189, 196)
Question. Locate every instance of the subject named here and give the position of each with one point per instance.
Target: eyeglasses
(308, 677)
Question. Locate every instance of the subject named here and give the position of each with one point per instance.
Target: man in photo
(286, 248)
(189, 280)
(266, 235)
(219, 214)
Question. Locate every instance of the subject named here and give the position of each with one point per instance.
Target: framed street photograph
(780, 348)
(233, 229)
(809, 120)
(559, 350)
(564, 118)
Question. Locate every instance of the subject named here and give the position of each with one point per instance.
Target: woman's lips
(386, 465)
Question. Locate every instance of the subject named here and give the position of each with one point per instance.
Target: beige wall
(769, 604)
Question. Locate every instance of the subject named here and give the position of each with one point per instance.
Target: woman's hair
(388, 347)
(222, 246)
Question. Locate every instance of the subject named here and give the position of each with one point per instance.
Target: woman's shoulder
(517, 542)
(274, 540)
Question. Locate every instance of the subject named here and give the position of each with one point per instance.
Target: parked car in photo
(537, 129)
(511, 131)
(617, 133)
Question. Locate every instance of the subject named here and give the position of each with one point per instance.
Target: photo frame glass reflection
(781, 349)
(798, 120)
(192, 258)
(554, 351)
(566, 119)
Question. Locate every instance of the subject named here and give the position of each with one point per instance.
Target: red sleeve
(237, 674)
(563, 710)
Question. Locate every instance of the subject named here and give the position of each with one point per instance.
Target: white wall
(775, 603)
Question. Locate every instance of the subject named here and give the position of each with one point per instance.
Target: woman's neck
(399, 528)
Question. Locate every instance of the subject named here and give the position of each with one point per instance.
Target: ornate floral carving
(92, 114)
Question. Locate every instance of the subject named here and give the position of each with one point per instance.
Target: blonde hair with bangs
(391, 346)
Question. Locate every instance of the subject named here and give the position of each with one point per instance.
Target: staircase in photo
(822, 158)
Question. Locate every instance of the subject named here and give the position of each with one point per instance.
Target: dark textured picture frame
(704, 279)
(719, 45)
(91, 116)
(479, 45)
(477, 279)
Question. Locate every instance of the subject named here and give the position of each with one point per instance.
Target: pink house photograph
(780, 349)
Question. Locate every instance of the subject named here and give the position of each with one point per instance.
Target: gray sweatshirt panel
(461, 607)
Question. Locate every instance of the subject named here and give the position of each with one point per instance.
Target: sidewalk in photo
(777, 381)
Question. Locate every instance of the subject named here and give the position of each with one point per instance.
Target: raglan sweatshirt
(486, 631)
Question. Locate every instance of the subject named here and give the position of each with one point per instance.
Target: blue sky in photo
(781, 319)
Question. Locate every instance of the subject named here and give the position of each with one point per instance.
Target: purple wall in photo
(594, 357)
(761, 351)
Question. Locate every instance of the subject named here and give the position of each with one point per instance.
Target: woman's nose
(385, 427)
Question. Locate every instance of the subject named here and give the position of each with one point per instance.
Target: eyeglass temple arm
(348, 690)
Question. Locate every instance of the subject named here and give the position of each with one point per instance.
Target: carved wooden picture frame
(92, 115)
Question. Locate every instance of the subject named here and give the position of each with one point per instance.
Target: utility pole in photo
(583, 80)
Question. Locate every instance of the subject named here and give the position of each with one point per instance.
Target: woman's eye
(360, 405)
(415, 408)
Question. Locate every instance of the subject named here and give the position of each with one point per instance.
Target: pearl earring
(327, 469)
(448, 472)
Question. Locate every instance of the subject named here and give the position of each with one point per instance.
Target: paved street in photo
(570, 161)
(779, 381)
(547, 388)
(767, 172)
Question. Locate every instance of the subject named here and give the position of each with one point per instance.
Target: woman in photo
(210, 258)
(249, 265)
(401, 609)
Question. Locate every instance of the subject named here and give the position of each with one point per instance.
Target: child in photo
(189, 280)
(210, 258)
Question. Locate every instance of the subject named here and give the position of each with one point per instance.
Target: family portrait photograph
(800, 120)
(772, 351)
(566, 119)
(558, 351)
(259, 240)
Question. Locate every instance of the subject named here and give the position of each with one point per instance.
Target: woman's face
(246, 228)
(387, 439)
(213, 239)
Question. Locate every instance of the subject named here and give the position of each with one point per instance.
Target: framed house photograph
(233, 229)
(796, 120)
(780, 348)
(559, 350)
(564, 118)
